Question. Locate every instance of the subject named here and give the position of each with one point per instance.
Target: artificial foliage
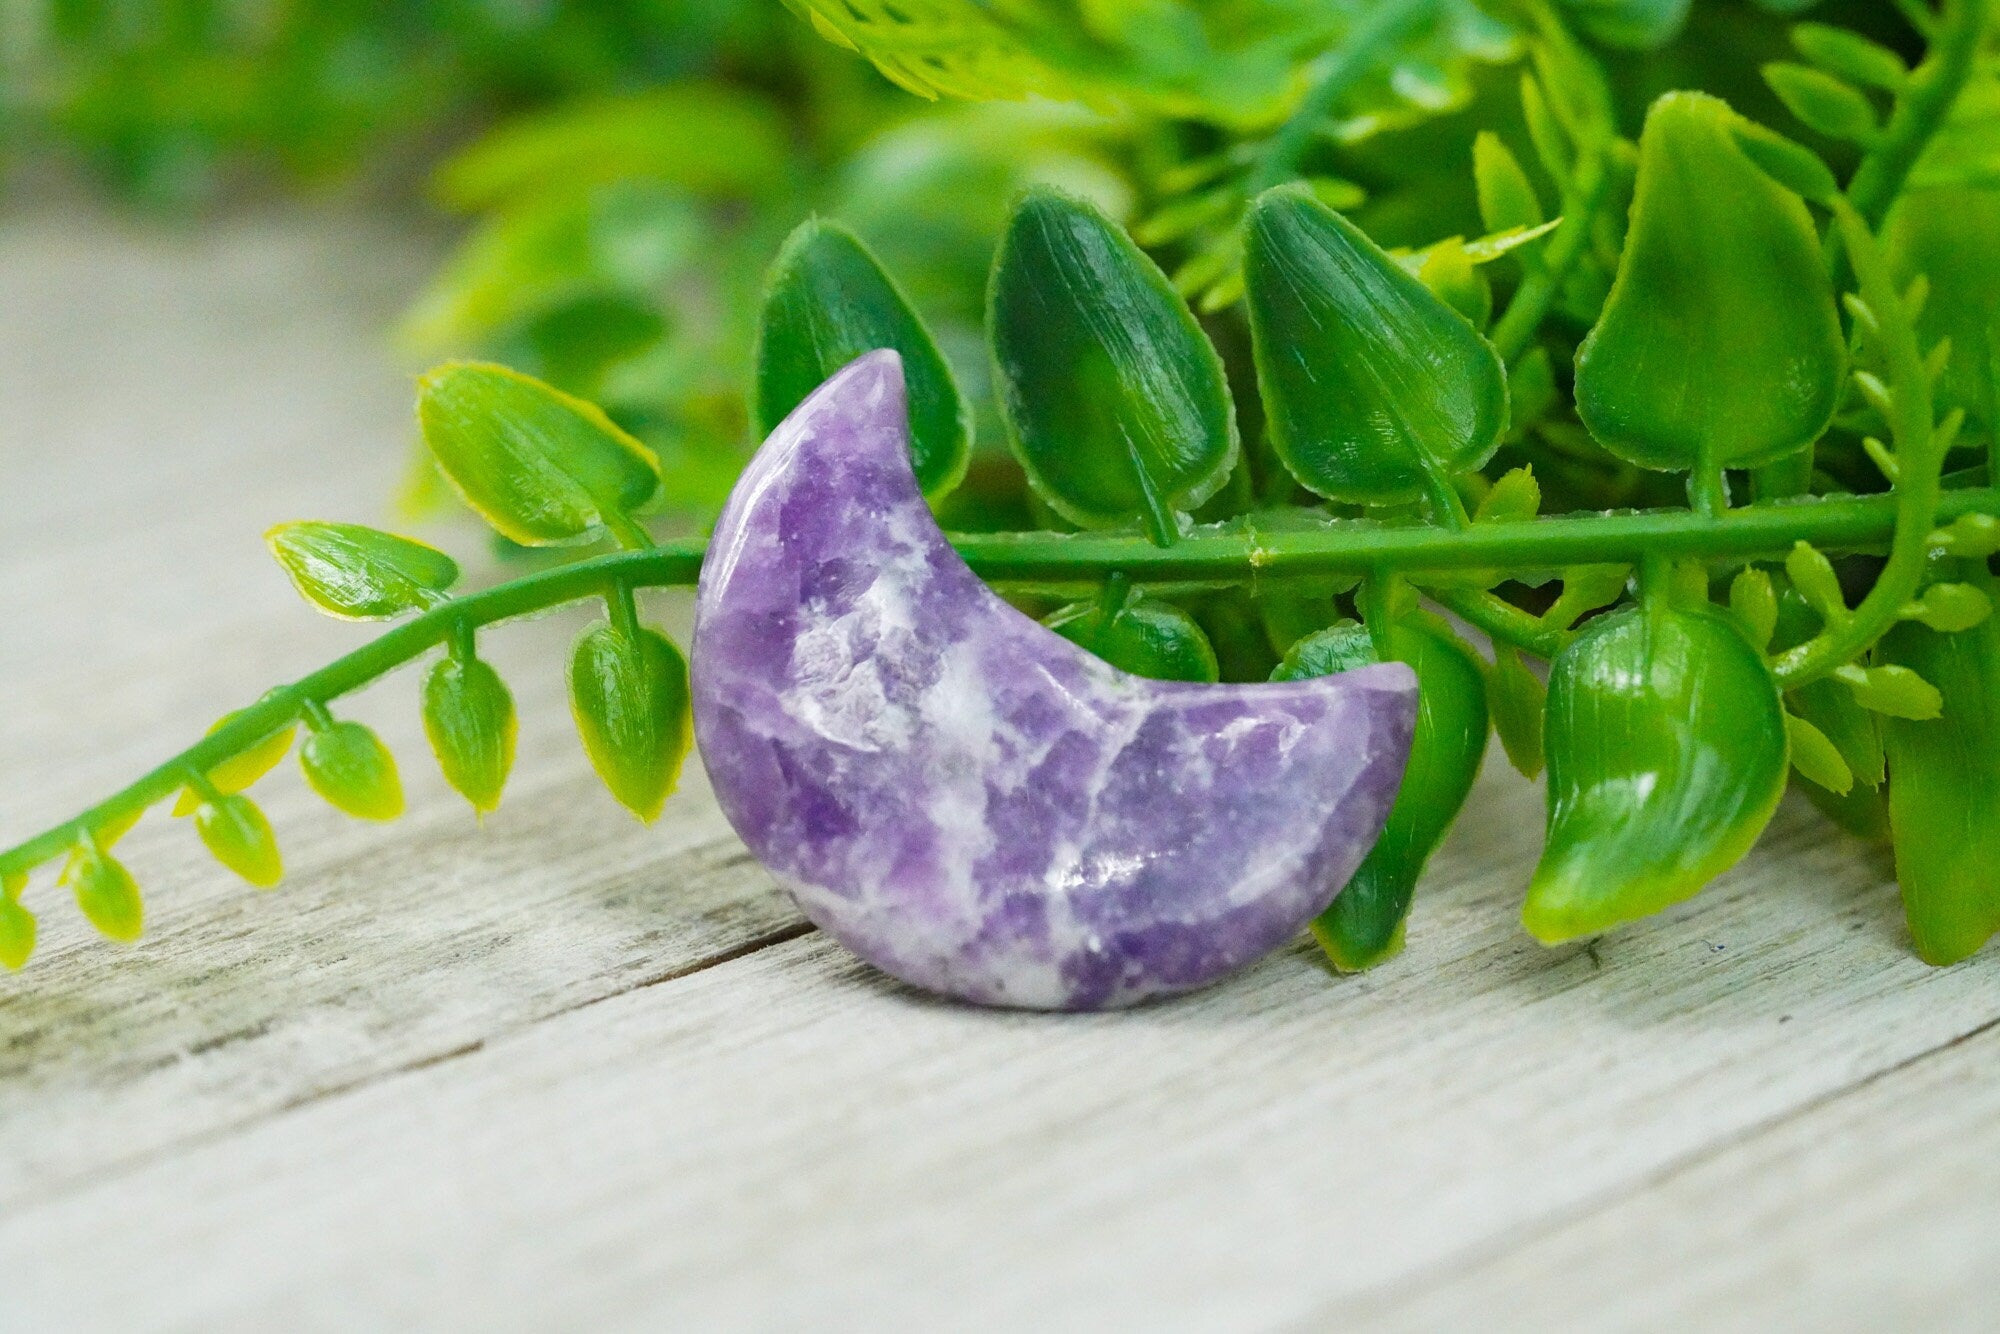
(1628, 368)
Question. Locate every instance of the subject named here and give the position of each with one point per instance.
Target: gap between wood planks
(1466, 1268)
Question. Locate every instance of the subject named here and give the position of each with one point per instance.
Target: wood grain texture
(563, 1072)
(253, 386)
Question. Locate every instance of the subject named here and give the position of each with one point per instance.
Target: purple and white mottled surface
(971, 802)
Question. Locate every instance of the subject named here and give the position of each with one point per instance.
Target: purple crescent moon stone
(972, 803)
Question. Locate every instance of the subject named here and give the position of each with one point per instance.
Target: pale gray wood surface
(563, 1071)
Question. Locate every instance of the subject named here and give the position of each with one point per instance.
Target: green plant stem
(1221, 555)
(1537, 293)
(1481, 607)
(1885, 170)
(1381, 24)
(1708, 488)
(1934, 87)
(676, 564)
(1918, 492)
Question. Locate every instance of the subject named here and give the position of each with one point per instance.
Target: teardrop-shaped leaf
(1818, 758)
(1506, 197)
(631, 702)
(826, 302)
(361, 574)
(1518, 703)
(1364, 925)
(1893, 691)
(1144, 636)
(1943, 779)
(469, 718)
(1720, 345)
(17, 925)
(240, 771)
(106, 892)
(349, 766)
(1853, 57)
(1754, 599)
(540, 466)
(239, 837)
(1667, 755)
(1950, 607)
(1822, 102)
(1792, 165)
(1114, 399)
(1375, 390)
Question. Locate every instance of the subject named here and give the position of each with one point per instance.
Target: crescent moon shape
(966, 799)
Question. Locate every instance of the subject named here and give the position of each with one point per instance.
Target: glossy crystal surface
(971, 802)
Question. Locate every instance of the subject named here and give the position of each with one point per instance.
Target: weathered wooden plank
(167, 398)
(1873, 1211)
(790, 1139)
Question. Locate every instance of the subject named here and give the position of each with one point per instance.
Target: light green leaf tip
(544, 468)
(631, 701)
(106, 892)
(360, 573)
(348, 765)
(238, 835)
(470, 720)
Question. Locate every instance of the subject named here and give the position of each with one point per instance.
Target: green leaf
(1949, 608)
(361, 574)
(1518, 704)
(1818, 758)
(1812, 575)
(1375, 390)
(1893, 691)
(1515, 498)
(540, 466)
(1944, 774)
(350, 767)
(239, 837)
(1823, 103)
(17, 926)
(1793, 166)
(1667, 755)
(1143, 636)
(1506, 198)
(1552, 146)
(241, 770)
(1754, 599)
(1115, 401)
(1364, 925)
(105, 891)
(630, 698)
(1831, 708)
(826, 302)
(1448, 271)
(1719, 345)
(469, 718)
(1850, 55)
(1970, 535)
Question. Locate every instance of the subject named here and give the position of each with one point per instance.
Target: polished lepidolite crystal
(971, 802)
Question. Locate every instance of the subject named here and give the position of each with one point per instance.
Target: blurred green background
(621, 171)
